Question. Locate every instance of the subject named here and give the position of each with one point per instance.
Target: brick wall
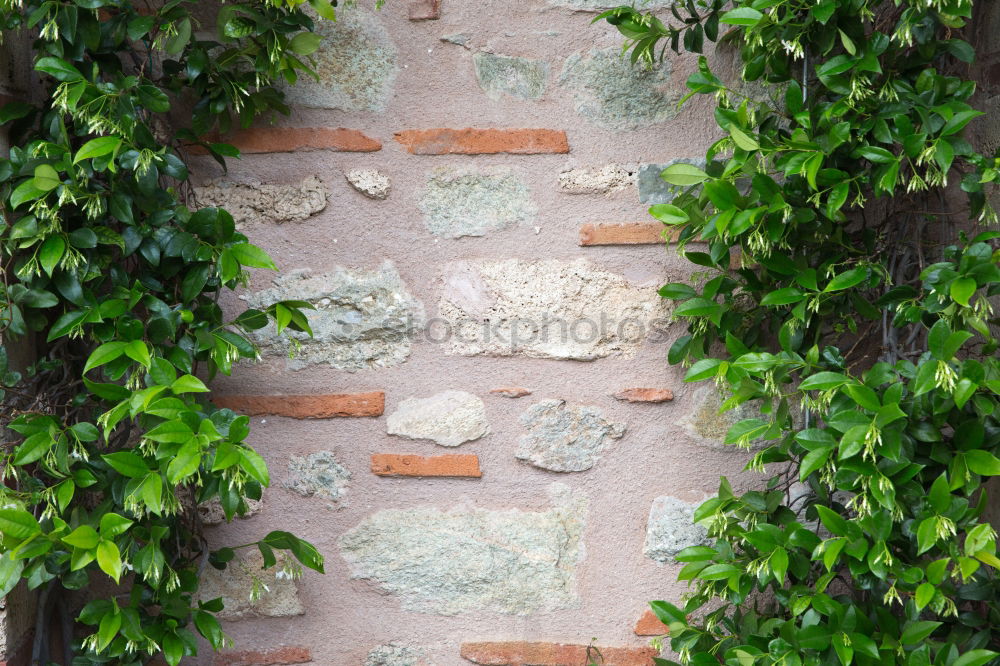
(484, 438)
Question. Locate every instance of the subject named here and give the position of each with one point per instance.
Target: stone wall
(483, 437)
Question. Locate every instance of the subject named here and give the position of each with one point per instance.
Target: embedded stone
(363, 318)
(248, 590)
(615, 94)
(598, 180)
(370, 182)
(601, 5)
(211, 512)
(544, 309)
(511, 391)
(355, 62)
(258, 203)
(317, 475)
(448, 418)
(468, 202)
(671, 529)
(392, 654)
(458, 38)
(468, 559)
(565, 438)
(708, 424)
(655, 190)
(521, 78)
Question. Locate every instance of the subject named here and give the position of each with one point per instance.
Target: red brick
(306, 406)
(511, 391)
(425, 10)
(286, 654)
(392, 464)
(628, 233)
(291, 139)
(520, 653)
(650, 625)
(472, 141)
(644, 395)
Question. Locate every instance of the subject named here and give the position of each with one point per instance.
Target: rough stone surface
(247, 590)
(655, 190)
(544, 309)
(317, 475)
(521, 78)
(466, 202)
(607, 179)
(511, 391)
(565, 438)
(457, 38)
(615, 94)
(257, 203)
(363, 318)
(709, 426)
(370, 182)
(644, 395)
(448, 418)
(468, 559)
(670, 529)
(356, 64)
(601, 5)
(278, 656)
(211, 512)
(392, 654)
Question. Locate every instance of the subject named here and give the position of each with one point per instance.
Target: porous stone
(544, 309)
(565, 438)
(511, 391)
(448, 418)
(363, 318)
(708, 425)
(521, 78)
(468, 559)
(655, 190)
(671, 529)
(601, 5)
(248, 590)
(598, 180)
(256, 203)
(468, 202)
(370, 182)
(458, 38)
(317, 475)
(392, 654)
(355, 62)
(615, 94)
(211, 512)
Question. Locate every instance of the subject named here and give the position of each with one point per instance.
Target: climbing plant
(860, 320)
(114, 275)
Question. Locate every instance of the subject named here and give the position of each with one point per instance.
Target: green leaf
(982, 462)
(109, 559)
(975, 658)
(304, 43)
(127, 464)
(742, 16)
(667, 613)
(138, 351)
(251, 255)
(962, 290)
(46, 178)
(923, 595)
(106, 353)
(10, 573)
(112, 525)
(255, 466)
(175, 431)
(669, 214)
(58, 68)
(703, 369)
(18, 524)
(98, 147)
(188, 384)
(958, 122)
(185, 462)
(33, 448)
(176, 44)
(742, 139)
(823, 381)
(51, 252)
(832, 520)
(847, 279)
(917, 631)
(784, 296)
(111, 622)
(84, 537)
(683, 174)
(25, 192)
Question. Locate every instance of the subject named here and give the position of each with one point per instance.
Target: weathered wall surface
(489, 457)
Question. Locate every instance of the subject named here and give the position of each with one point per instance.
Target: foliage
(116, 276)
(859, 318)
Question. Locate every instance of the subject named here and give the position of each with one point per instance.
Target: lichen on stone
(473, 202)
(521, 78)
(652, 188)
(393, 654)
(565, 438)
(671, 529)
(449, 418)
(616, 94)
(260, 203)
(363, 318)
(248, 590)
(319, 474)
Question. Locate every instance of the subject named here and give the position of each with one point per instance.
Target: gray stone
(317, 475)
(473, 202)
(259, 203)
(601, 5)
(615, 94)
(392, 654)
(363, 318)
(211, 512)
(248, 590)
(564, 438)
(671, 529)
(355, 62)
(708, 424)
(448, 418)
(598, 180)
(370, 182)
(499, 75)
(544, 309)
(655, 190)
(458, 38)
(511, 562)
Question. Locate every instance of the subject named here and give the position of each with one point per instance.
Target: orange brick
(392, 464)
(628, 233)
(520, 653)
(650, 625)
(306, 406)
(644, 395)
(425, 10)
(511, 391)
(291, 139)
(286, 654)
(472, 141)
